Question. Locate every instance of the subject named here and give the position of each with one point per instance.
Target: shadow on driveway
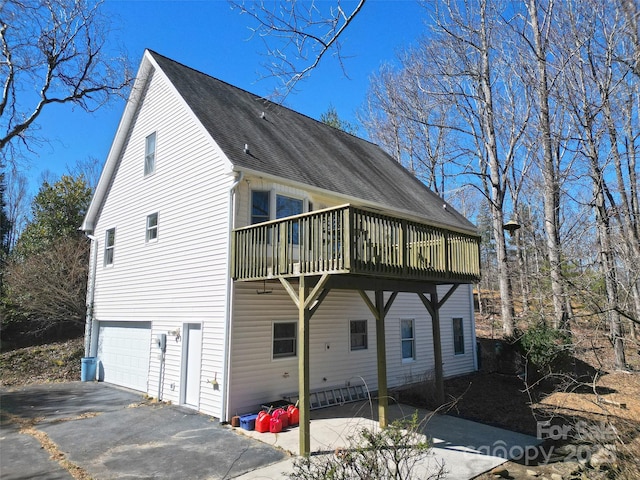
(112, 433)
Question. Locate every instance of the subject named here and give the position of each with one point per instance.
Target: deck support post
(380, 310)
(303, 369)
(307, 303)
(433, 306)
(381, 349)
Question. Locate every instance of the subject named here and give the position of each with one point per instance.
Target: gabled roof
(285, 144)
(290, 145)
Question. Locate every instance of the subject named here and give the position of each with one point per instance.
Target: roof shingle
(293, 146)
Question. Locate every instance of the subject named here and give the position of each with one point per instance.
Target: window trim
(109, 248)
(153, 228)
(148, 154)
(365, 335)
(412, 339)
(456, 337)
(286, 356)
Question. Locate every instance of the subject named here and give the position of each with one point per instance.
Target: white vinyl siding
(183, 279)
(255, 378)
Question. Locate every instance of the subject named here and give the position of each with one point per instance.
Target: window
(358, 330)
(150, 154)
(286, 207)
(109, 246)
(408, 340)
(152, 227)
(284, 339)
(260, 211)
(458, 336)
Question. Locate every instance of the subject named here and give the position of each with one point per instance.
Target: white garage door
(123, 353)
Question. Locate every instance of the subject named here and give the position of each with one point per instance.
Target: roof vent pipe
(263, 116)
(246, 148)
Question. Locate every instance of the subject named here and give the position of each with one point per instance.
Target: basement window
(284, 339)
(458, 336)
(407, 331)
(358, 332)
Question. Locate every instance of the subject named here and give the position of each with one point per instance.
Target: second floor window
(150, 154)
(109, 246)
(152, 227)
(260, 211)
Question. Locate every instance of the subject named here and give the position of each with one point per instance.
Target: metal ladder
(336, 396)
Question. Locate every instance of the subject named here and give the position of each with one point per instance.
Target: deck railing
(354, 240)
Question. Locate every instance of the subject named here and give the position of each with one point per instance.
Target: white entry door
(191, 355)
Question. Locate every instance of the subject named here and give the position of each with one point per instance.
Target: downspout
(91, 288)
(229, 301)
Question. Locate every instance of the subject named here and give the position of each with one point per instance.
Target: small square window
(152, 227)
(458, 336)
(407, 331)
(150, 154)
(358, 331)
(109, 246)
(284, 339)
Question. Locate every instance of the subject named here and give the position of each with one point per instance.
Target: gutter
(226, 367)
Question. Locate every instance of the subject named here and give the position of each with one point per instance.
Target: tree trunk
(551, 189)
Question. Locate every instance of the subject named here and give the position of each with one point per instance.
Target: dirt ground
(588, 416)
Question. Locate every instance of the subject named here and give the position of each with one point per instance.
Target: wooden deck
(357, 241)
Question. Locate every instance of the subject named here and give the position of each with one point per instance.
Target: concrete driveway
(110, 433)
(104, 432)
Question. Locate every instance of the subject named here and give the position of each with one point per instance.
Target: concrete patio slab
(465, 448)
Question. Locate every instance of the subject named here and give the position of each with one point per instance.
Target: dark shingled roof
(293, 146)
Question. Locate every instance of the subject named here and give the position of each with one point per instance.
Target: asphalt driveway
(112, 433)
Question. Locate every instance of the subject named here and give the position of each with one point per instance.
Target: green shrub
(398, 452)
(542, 345)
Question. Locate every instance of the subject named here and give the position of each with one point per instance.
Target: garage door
(123, 353)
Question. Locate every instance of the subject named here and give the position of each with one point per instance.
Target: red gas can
(294, 415)
(263, 422)
(275, 425)
(282, 414)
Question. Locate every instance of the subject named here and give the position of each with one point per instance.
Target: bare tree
(536, 39)
(53, 52)
(297, 34)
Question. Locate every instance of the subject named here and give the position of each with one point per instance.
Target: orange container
(294, 415)
(263, 422)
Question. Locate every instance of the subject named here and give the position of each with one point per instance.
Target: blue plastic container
(88, 369)
(248, 422)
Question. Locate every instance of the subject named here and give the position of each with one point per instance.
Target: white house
(275, 254)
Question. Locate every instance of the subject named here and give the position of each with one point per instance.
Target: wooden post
(434, 311)
(383, 397)
(303, 369)
(437, 346)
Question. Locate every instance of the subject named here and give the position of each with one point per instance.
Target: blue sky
(208, 36)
